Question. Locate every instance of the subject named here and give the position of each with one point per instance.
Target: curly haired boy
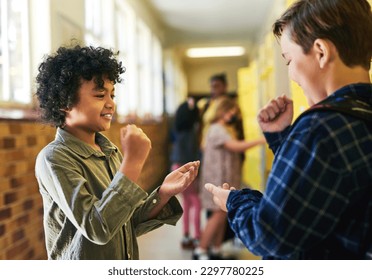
(93, 205)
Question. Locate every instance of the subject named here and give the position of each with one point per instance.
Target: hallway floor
(164, 244)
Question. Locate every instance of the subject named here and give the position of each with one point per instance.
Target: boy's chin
(104, 128)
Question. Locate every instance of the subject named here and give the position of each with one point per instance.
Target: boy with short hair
(93, 206)
(318, 198)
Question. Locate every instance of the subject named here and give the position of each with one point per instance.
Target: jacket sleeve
(170, 214)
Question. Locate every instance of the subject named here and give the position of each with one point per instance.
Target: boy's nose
(109, 105)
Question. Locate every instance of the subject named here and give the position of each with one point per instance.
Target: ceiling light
(215, 52)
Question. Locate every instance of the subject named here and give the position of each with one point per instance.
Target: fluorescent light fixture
(215, 52)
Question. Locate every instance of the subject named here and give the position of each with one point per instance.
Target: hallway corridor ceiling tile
(213, 21)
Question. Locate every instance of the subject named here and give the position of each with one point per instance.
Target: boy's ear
(324, 51)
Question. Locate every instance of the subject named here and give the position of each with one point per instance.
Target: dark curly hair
(60, 75)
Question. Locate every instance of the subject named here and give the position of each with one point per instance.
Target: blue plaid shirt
(318, 198)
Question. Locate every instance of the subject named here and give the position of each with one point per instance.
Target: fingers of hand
(286, 99)
(197, 165)
(280, 102)
(187, 179)
(210, 187)
(192, 173)
(272, 110)
(189, 175)
(226, 186)
(186, 167)
(136, 132)
(267, 114)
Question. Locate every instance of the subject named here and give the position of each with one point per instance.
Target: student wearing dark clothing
(185, 149)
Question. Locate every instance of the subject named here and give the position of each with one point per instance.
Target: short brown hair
(346, 23)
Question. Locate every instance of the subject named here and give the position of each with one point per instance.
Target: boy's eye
(113, 96)
(288, 62)
(100, 96)
(100, 92)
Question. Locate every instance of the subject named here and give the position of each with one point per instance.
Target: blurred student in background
(207, 107)
(185, 149)
(221, 163)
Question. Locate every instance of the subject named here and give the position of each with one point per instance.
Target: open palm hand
(178, 180)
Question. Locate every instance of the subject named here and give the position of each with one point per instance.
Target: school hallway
(170, 50)
(164, 243)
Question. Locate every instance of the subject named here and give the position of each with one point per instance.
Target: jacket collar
(83, 149)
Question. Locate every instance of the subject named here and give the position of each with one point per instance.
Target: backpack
(349, 103)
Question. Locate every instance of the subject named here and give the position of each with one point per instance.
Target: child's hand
(136, 147)
(276, 115)
(220, 195)
(178, 180)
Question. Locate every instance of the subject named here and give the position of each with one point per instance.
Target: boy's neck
(85, 136)
(346, 76)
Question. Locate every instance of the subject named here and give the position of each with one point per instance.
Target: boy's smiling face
(94, 109)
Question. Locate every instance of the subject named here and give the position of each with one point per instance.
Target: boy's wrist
(131, 170)
(164, 196)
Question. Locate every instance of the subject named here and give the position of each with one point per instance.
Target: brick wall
(21, 229)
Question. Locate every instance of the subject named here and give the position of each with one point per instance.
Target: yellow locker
(267, 90)
(299, 100)
(248, 100)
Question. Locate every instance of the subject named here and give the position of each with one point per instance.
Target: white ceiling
(203, 22)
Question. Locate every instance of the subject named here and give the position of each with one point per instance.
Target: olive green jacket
(92, 210)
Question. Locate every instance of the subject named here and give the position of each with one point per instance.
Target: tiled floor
(164, 244)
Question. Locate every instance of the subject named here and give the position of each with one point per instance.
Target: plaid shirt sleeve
(275, 139)
(306, 192)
